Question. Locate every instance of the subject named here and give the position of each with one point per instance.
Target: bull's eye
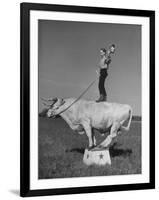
(56, 108)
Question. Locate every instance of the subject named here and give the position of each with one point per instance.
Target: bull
(86, 116)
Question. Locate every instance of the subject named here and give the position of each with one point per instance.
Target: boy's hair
(103, 49)
(113, 45)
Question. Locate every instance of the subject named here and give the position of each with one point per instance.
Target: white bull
(84, 116)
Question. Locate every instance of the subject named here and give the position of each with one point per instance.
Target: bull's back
(103, 114)
(99, 112)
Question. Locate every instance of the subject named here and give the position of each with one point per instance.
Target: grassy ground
(61, 152)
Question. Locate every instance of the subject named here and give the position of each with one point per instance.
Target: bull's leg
(88, 131)
(94, 139)
(113, 133)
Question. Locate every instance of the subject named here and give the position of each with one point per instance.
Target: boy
(105, 60)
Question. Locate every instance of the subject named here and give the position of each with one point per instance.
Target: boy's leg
(102, 91)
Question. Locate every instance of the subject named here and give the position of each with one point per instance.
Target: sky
(68, 56)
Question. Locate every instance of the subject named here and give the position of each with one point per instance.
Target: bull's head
(54, 107)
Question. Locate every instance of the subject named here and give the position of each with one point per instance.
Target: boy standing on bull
(105, 60)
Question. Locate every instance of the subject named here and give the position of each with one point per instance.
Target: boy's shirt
(104, 62)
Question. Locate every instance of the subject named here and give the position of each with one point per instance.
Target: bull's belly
(102, 129)
(80, 128)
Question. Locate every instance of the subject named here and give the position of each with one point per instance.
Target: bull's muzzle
(51, 114)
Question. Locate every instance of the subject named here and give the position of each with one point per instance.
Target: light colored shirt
(104, 62)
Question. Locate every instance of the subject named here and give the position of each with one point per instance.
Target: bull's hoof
(92, 147)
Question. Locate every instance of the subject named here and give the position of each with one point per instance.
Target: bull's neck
(65, 115)
(66, 112)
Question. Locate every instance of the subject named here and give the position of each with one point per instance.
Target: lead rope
(79, 96)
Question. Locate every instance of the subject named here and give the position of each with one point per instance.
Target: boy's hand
(97, 72)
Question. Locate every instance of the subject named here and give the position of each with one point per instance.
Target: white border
(86, 181)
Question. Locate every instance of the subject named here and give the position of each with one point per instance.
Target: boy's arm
(108, 61)
(98, 71)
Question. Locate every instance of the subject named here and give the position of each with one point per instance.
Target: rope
(79, 96)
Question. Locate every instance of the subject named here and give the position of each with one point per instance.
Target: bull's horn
(49, 99)
(48, 105)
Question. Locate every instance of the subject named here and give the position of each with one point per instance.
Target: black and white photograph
(88, 78)
(89, 99)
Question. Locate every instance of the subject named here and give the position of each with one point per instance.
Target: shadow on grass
(78, 150)
(119, 152)
(114, 151)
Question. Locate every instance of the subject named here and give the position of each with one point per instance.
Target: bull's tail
(123, 128)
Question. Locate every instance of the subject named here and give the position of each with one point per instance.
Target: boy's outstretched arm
(98, 70)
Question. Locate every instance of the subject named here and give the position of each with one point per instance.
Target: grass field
(61, 151)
